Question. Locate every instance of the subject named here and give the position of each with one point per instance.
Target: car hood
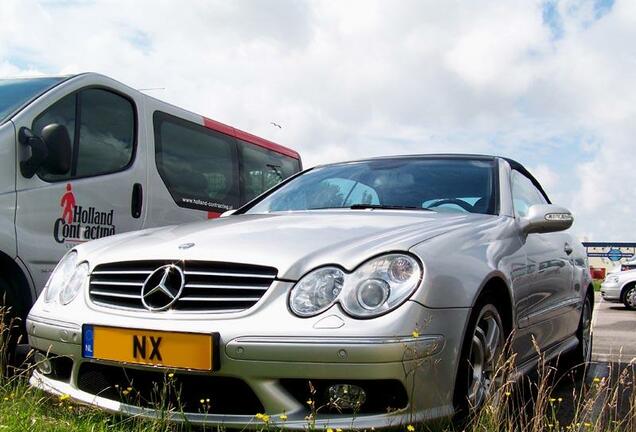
(293, 243)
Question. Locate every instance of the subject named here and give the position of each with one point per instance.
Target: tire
(629, 297)
(578, 359)
(11, 326)
(482, 348)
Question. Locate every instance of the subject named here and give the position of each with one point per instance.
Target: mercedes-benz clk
(368, 294)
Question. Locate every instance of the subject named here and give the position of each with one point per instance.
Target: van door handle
(567, 248)
(136, 201)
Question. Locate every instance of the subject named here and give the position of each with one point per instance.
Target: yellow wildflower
(410, 428)
(170, 375)
(596, 380)
(125, 392)
(415, 333)
(310, 402)
(283, 417)
(203, 401)
(329, 430)
(508, 393)
(262, 417)
(338, 430)
(129, 389)
(587, 425)
(64, 397)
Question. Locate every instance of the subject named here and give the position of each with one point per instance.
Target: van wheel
(11, 326)
(629, 298)
(482, 349)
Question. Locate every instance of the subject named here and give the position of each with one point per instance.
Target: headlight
(80, 276)
(60, 276)
(376, 287)
(381, 285)
(316, 291)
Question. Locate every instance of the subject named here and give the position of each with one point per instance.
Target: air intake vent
(209, 286)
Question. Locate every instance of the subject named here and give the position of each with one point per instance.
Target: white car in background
(621, 286)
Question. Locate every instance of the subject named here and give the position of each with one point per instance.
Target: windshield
(452, 185)
(16, 92)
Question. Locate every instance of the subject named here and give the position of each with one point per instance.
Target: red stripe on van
(237, 133)
(213, 215)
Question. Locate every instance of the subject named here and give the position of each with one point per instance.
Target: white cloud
(361, 78)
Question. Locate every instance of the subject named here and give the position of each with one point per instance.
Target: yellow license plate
(149, 347)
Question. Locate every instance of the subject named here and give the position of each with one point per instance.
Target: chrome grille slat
(220, 299)
(117, 283)
(240, 275)
(117, 295)
(124, 272)
(214, 287)
(231, 287)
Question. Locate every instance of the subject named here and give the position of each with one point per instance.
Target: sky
(550, 83)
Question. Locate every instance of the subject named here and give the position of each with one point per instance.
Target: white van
(84, 156)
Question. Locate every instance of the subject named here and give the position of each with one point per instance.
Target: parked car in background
(620, 287)
(378, 292)
(84, 156)
(629, 265)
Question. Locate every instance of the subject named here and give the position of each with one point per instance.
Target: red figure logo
(68, 205)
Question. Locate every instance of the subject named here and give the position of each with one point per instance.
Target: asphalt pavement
(613, 350)
(614, 329)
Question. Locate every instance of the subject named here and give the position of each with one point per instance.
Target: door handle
(567, 248)
(137, 200)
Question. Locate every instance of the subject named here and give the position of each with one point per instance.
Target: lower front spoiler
(293, 422)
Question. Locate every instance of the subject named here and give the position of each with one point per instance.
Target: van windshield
(16, 92)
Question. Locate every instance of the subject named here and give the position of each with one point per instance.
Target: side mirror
(544, 218)
(228, 213)
(58, 142)
(52, 151)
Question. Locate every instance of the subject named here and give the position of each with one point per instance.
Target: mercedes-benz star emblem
(162, 288)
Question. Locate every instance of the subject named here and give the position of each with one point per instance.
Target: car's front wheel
(481, 353)
(629, 298)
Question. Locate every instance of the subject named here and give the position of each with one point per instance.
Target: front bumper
(611, 291)
(313, 350)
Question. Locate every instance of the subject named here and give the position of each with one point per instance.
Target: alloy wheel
(630, 297)
(586, 331)
(485, 348)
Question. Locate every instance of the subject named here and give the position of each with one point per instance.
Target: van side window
(262, 169)
(199, 166)
(106, 135)
(106, 139)
(524, 194)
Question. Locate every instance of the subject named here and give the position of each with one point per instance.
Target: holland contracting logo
(78, 224)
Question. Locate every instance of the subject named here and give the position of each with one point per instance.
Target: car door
(545, 292)
(102, 194)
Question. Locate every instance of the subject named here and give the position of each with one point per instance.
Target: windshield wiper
(386, 207)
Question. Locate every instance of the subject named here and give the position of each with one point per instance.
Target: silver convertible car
(368, 294)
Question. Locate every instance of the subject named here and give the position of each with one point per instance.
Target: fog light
(346, 396)
(43, 363)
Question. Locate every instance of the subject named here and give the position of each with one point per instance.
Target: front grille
(209, 286)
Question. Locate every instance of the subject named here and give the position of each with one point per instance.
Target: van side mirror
(58, 142)
(544, 218)
(52, 150)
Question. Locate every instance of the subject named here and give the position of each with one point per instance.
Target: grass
(540, 403)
